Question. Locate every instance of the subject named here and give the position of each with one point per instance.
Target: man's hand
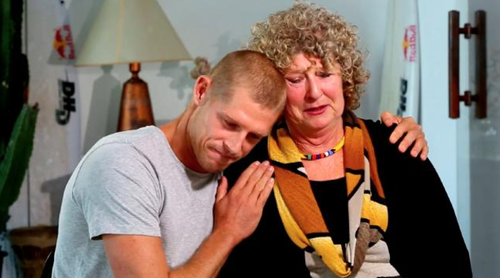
(411, 131)
(238, 211)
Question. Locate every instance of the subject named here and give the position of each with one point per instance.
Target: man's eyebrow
(223, 115)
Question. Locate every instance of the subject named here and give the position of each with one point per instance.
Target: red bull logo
(410, 43)
(63, 43)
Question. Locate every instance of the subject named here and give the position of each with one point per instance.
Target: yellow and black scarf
(299, 210)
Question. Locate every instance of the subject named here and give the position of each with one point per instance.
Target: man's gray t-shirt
(132, 183)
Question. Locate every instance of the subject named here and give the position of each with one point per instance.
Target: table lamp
(132, 31)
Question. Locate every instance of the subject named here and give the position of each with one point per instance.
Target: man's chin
(217, 167)
(224, 166)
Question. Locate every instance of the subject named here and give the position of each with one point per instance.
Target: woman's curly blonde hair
(310, 29)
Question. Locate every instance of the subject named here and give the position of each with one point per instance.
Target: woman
(346, 202)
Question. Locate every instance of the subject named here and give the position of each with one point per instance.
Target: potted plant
(18, 119)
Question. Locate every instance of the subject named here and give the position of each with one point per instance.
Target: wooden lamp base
(135, 106)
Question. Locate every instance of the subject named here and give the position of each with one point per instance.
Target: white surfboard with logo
(400, 93)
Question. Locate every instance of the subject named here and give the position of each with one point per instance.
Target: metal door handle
(454, 32)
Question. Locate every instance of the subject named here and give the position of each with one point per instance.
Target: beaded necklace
(324, 154)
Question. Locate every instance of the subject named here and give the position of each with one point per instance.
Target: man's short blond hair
(254, 72)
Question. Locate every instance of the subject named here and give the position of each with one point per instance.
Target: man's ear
(200, 89)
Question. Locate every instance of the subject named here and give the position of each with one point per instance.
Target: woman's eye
(324, 74)
(294, 80)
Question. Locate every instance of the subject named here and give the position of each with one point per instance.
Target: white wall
(207, 28)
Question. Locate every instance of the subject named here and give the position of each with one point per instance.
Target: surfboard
(400, 92)
(54, 86)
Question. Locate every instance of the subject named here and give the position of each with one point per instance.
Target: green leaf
(16, 160)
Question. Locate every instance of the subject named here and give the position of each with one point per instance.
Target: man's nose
(233, 146)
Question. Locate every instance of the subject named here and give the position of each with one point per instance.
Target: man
(141, 203)
(152, 202)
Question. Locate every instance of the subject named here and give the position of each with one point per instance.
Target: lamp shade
(128, 31)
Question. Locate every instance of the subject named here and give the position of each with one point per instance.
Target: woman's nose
(313, 88)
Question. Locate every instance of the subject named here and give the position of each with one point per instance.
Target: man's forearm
(208, 259)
